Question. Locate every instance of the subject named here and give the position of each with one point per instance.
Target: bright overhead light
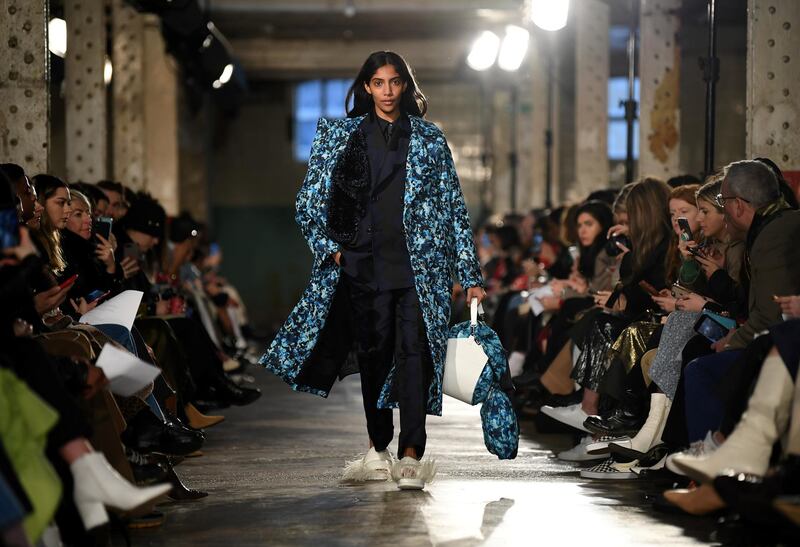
(224, 78)
(108, 71)
(57, 36)
(484, 51)
(550, 14)
(513, 48)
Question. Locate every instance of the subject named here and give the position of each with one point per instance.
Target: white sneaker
(372, 466)
(411, 474)
(600, 444)
(696, 449)
(572, 415)
(578, 453)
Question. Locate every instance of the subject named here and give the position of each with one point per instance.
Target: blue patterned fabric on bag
(500, 427)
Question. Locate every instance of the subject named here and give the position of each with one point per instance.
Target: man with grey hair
(753, 206)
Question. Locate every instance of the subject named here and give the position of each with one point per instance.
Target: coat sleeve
(312, 195)
(466, 266)
(773, 272)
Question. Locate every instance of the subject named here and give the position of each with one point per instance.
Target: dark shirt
(379, 257)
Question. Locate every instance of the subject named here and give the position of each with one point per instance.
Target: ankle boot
(749, 447)
(198, 420)
(650, 433)
(97, 484)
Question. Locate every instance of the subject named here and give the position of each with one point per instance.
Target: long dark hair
(601, 212)
(412, 102)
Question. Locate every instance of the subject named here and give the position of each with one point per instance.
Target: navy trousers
(389, 328)
(704, 378)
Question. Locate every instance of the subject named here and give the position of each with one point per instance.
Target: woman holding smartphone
(383, 213)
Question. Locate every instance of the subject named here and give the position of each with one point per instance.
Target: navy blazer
(378, 258)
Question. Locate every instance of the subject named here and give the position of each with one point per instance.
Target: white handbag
(464, 362)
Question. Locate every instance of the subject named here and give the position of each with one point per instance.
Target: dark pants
(704, 404)
(389, 328)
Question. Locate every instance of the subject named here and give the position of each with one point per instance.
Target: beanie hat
(146, 215)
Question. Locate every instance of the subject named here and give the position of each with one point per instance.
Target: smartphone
(9, 228)
(68, 282)
(95, 295)
(713, 326)
(213, 249)
(648, 288)
(131, 250)
(679, 291)
(102, 226)
(686, 230)
(694, 251)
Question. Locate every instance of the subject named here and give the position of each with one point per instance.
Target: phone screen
(9, 228)
(711, 329)
(686, 230)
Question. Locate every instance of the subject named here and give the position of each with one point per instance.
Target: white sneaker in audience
(696, 449)
(600, 445)
(578, 452)
(572, 415)
(610, 470)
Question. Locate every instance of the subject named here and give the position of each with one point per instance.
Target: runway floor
(272, 470)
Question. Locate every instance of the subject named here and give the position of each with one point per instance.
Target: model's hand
(337, 257)
(475, 292)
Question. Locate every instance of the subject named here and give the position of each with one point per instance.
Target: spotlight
(513, 48)
(108, 71)
(57, 36)
(484, 51)
(550, 14)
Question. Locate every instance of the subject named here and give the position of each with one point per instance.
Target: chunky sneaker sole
(411, 474)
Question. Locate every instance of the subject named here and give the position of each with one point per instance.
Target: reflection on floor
(272, 470)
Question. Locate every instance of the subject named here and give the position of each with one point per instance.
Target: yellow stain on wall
(663, 137)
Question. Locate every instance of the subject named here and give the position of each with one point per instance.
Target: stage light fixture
(550, 14)
(57, 36)
(224, 78)
(484, 51)
(108, 71)
(513, 48)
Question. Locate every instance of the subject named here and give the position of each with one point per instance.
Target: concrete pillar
(128, 60)
(773, 96)
(591, 99)
(24, 85)
(501, 150)
(161, 120)
(84, 90)
(532, 125)
(659, 69)
(145, 107)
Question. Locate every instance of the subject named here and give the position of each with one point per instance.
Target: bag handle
(473, 312)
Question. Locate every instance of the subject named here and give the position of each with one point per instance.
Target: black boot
(146, 434)
(225, 390)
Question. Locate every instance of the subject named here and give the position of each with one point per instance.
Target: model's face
(712, 221)
(386, 87)
(57, 208)
(588, 229)
(679, 208)
(80, 219)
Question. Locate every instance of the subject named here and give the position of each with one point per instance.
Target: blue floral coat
(311, 348)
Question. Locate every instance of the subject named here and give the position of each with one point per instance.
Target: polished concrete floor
(272, 470)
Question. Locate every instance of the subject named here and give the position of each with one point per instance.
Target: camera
(612, 249)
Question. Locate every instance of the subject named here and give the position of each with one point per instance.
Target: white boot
(650, 433)
(98, 484)
(749, 447)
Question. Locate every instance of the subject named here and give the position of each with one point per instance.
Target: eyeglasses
(720, 199)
